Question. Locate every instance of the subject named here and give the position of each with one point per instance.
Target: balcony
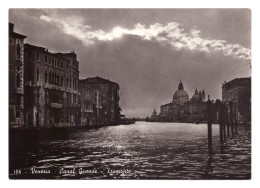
(52, 86)
(28, 83)
(39, 84)
(56, 105)
(76, 105)
(98, 106)
(19, 90)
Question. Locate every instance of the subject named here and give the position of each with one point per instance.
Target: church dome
(196, 96)
(180, 96)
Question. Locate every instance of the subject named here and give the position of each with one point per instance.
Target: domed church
(183, 109)
(198, 96)
(180, 96)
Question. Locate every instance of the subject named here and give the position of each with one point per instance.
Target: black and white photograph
(129, 93)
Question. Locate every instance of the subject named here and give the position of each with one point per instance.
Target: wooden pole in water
(236, 124)
(224, 123)
(227, 122)
(209, 125)
(221, 120)
(231, 120)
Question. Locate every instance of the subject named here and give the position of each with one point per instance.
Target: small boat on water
(197, 122)
(127, 122)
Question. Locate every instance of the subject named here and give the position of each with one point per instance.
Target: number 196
(17, 171)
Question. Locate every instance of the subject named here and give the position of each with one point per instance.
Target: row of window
(56, 79)
(49, 60)
(55, 98)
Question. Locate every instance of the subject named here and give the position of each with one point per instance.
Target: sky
(147, 51)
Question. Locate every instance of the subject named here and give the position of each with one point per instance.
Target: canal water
(143, 150)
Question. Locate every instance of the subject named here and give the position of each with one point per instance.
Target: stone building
(89, 99)
(99, 102)
(16, 78)
(51, 88)
(183, 109)
(236, 95)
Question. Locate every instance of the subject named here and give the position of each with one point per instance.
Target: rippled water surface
(141, 151)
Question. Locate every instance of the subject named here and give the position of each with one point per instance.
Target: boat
(127, 121)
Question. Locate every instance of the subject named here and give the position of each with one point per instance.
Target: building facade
(99, 102)
(16, 78)
(236, 95)
(89, 99)
(51, 88)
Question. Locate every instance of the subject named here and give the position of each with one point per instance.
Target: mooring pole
(224, 122)
(227, 116)
(209, 125)
(236, 124)
(221, 119)
(231, 120)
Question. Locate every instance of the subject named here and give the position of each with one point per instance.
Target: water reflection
(148, 150)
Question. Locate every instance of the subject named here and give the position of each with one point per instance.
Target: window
(18, 114)
(61, 64)
(29, 74)
(37, 56)
(49, 60)
(61, 80)
(55, 78)
(55, 62)
(46, 97)
(18, 80)
(38, 97)
(11, 41)
(58, 79)
(37, 74)
(18, 100)
(30, 55)
(99, 101)
(50, 77)
(18, 50)
(46, 59)
(88, 107)
(46, 77)
(52, 61)
(18, 68)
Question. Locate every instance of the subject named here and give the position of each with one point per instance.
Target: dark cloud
(149, 72)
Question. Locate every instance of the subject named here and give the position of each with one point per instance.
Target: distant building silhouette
(183, 109)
